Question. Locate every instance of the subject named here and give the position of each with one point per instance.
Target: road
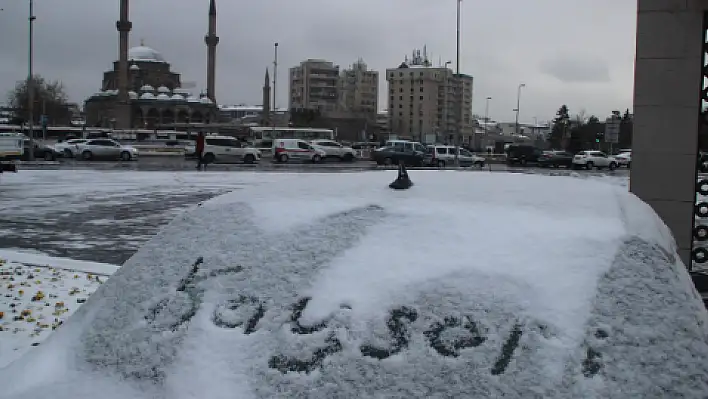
(104, 212)
(177, 163)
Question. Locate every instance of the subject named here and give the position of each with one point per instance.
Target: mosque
(155, 95)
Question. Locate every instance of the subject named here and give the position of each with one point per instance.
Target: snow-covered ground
(38, 294)
(324, 286)
(100, 216)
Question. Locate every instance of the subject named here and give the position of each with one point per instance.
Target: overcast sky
(574, 52)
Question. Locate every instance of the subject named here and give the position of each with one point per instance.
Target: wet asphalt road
(105, 211)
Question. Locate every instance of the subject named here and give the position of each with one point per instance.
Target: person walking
(199, 149)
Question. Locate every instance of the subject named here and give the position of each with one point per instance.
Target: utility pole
(486, 115)
(458, 86)
(30, 81)
(275, 93)
(518, 103)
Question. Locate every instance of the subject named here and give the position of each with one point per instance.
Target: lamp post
(275, 86)
(518, 103)
(459, 90)
(30, 81)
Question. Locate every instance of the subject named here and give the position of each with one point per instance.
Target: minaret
(211, 40)
(123, 25)
(265, 114)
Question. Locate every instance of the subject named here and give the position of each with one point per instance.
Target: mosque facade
(155, 95)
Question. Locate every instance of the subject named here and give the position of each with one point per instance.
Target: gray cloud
(502, 43)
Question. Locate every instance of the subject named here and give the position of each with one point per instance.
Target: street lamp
(275, 86)
(518, 103)
(486, 115)
(459, 90)
(30, 80)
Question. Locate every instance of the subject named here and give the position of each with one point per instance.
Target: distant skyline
(570, 52)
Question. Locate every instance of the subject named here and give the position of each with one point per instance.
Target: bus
(262, 137)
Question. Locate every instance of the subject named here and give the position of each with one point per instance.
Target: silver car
(106, 149)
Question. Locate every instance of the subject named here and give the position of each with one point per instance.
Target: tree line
(583, 132)
(50, 99)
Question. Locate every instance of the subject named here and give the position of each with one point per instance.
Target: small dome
(147, 96)
(147, 88)
(144, 53)
(163, 96)
(134, 67)
(192, 99)
(163, 89)
(133, 95)
(205, 100)
(177, 97)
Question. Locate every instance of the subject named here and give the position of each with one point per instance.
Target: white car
(286, 149)
(225, 149)
(594, 159)
(106, 149)
(442, 155)
(69, 148)
(333, 149)
(624, 159)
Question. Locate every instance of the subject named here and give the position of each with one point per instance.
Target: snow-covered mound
(468, 285)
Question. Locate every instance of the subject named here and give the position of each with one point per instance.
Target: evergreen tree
(561, 124)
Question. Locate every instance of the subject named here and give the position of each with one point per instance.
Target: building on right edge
(429, 104)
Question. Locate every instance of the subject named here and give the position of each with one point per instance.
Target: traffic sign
(612, 130)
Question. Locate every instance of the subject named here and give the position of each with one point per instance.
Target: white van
(11, 146)
(286, 149)
(226, 149)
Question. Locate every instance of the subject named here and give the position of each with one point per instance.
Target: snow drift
(332, 286)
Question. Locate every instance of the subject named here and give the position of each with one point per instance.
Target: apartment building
(359, 90)
(314, 84)
(424, 100)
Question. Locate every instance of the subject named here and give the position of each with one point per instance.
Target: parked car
(106, 149)
(68, 148)
(594, 159)
(442, 155)
(39, 150)
(555, 159)
(225, 149)
(409, 155)
(624, 159)
(522, 154)
(333, 149)
(287, 149)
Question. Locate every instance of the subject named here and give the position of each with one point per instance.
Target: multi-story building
(359, 90)
(314, 84)
(427, 102)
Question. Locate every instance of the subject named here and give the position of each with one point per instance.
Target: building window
(400, 105)
(421, 89)
(421, 98)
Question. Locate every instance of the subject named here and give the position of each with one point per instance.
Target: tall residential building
(425, 100)
(359, 90)
(314, 84)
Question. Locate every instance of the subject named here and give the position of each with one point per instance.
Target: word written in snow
(178, 309)
(247, 311)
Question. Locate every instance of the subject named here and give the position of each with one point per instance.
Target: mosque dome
(147, 88)
(192, 99)
(163, 89)
(133, 95)
(147, 96)
(144, 53)
(163, 96)
(205, 100)
(134, 67)
(177, 97)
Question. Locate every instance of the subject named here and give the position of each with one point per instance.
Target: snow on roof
(468, 285)
(144, 53)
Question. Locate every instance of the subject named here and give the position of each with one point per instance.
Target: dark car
(554, 159)
(395, 154)
(522, 154)
(703, 162)
(41, 151)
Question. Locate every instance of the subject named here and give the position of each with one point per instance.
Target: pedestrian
(199, 149)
